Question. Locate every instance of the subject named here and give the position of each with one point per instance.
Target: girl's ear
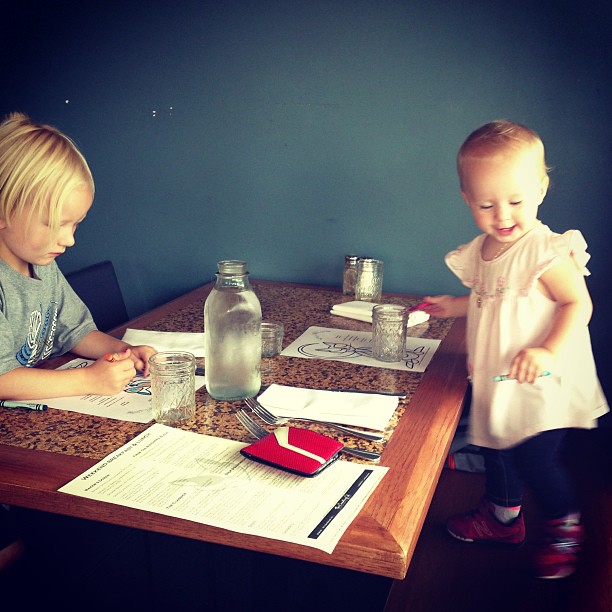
(465, 198)
(3, 224)
(544, 188)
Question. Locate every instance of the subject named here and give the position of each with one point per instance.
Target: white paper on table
(362, 311)
(356, 347)
(167, 341)
(131, 404)
(369, 410)
(205, 479)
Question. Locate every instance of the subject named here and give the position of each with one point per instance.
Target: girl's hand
(531, 363)
(111, 373)
(443, 306)
(140, 356)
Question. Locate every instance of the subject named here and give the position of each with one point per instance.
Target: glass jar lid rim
(232, 266)
(370, 261)
(389, 308)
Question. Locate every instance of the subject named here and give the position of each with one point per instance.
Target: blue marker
(24, 405)
(503, 377)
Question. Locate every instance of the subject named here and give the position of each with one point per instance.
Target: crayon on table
(503, 377)
(419, 306)
(24, 405)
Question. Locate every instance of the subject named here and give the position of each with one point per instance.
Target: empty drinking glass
(172, 387)
(369, 282)
(271, 338)
(389, 332)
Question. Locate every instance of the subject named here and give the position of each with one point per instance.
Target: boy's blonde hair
(498, 137)
(39, 168)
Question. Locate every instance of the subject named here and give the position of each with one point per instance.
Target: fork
(259, 432)
(265, 415)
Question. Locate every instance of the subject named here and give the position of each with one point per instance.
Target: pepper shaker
(350, 274)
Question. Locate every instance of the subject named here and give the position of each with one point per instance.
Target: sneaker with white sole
(480, 525)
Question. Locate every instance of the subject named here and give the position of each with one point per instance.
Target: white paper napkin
(362, 311)
(370, 410)
(167, 341)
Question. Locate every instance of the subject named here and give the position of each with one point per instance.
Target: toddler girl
(527, 317)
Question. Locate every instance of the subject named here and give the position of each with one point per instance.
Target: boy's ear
(465, 198)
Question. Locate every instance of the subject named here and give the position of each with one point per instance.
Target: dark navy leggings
(537, 464)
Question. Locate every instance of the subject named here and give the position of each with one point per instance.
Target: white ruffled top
(507, 313)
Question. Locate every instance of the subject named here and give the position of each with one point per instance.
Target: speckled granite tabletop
(297, 307)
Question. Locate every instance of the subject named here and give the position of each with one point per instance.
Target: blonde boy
(46, 190)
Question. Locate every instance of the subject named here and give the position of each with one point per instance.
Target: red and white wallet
(295, 450)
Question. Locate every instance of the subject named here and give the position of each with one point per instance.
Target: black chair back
(98, 287)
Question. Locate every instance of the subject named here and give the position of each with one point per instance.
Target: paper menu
(205, 479)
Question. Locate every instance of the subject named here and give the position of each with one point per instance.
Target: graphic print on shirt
(483, 296)
(41, 334)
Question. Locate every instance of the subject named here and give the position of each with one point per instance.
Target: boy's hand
(140, 356)
(112, 373)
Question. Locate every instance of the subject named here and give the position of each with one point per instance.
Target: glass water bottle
(232, 335)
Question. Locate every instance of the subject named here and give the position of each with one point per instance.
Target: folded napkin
(370, 410)
(362, 311)
(167, 341)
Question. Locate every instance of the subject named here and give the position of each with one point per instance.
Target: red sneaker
(480, 525)
(556, 554)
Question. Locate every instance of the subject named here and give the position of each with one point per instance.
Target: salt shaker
(350, 274)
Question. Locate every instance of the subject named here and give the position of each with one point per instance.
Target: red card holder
(296, 450)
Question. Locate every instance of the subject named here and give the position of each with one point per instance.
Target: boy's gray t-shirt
(40, 317)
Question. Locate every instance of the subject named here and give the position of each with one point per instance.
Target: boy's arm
(100, 378)
(96, 344)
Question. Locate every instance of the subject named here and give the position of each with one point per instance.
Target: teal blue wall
(289, 133)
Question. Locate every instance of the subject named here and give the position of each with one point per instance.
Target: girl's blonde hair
(39, 168)
(497, 137)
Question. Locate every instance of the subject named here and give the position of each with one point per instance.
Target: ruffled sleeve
(464, 259)
(572, 243)
(553, 247)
